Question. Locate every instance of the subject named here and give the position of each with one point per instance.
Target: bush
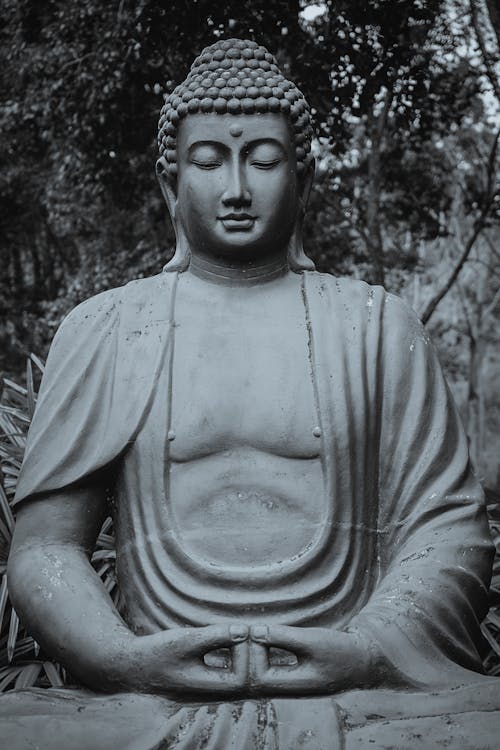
(22, 662)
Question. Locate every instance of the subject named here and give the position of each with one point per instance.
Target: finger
(240, 657)
(290, 680)
(217, 636)
(297, 640)
(217, 682)
(259, 662)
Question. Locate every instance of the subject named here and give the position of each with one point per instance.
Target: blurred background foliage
(406, 104)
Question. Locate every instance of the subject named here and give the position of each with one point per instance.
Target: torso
(246, 484)
(247, 513)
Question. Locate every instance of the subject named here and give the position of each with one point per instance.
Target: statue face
(236, 184)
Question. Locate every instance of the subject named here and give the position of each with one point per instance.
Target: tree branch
(492, 304)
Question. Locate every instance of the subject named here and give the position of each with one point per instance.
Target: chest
(242, 376)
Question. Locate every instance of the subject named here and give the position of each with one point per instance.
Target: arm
(63, 603)
(435, 550)
(85, 417)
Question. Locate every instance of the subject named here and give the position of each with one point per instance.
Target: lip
(237, 221)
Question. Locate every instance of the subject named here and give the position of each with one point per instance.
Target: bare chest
(242, 377)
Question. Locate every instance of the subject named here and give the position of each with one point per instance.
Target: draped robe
(403, 554)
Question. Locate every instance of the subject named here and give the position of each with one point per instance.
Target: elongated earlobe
(182, 255)
(297, 259)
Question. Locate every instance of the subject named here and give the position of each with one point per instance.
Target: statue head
(235, 162)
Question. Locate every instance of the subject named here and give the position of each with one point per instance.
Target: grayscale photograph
(249, 375)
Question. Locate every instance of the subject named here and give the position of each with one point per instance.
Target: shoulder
(355, 295)
(368, 313)
(350, 290)
(92, 312)
(104, 310)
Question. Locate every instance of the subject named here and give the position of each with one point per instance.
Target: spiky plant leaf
(8, 676)
(53, 674)
(28, 675)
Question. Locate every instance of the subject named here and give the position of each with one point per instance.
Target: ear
(297, 259)
(168, 185)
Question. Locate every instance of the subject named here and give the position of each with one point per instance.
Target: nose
(236, 193)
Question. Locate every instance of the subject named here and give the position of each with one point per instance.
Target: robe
(403, 555)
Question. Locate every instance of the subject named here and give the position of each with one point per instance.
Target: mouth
(237, 221)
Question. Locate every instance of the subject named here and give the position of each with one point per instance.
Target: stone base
(466, 718)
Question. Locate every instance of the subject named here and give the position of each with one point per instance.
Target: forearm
(64, 605)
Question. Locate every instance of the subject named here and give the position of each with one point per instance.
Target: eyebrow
(246, 144)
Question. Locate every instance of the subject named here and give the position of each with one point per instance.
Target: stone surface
(302, 548)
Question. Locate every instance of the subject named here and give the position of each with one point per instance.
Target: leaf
(28, 675)
(4, 595)
(15, 412)
(104, 554)
(7, 515)
(12, 637)
(4, 531)
(30, 389)
(491, 640)
(103, 569)
(53, 675)
(24, 646)
(38, 362)
(107, 527)
(493, 618)
(15, 387)
(8, 675)
(106, 541)
(10, 431)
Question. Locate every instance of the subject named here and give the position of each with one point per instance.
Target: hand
(328, 661)
(172, 662)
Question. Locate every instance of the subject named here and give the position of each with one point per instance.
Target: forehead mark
(236, 130)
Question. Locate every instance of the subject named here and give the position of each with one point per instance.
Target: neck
(229, 272)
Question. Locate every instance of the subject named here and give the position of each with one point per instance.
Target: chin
(239, 247)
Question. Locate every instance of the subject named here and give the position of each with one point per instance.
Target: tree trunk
(374, 233)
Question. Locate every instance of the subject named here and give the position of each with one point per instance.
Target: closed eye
(264, 164)
(206, 164)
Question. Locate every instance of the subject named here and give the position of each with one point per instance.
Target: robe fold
(404, 553)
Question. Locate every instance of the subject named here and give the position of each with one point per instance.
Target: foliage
(81, 85)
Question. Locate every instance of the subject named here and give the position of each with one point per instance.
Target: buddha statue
(302, 548)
